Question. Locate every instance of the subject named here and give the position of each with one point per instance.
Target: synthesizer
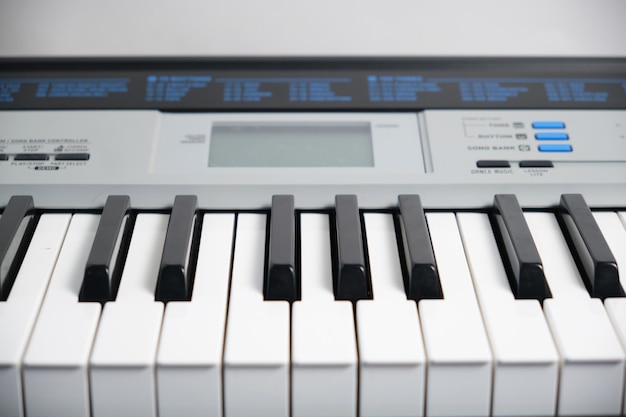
(407, 237)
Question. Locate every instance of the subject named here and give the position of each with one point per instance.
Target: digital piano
(312, 237)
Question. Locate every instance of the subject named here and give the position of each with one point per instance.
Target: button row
(548, 136)
(45, 157)
(490, 163)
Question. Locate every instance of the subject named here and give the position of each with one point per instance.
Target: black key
(423, 278)
(175, 281)
(598, 263)
(103, 269)
(528, 280)
(281, 282)
(16, 225)
(352, 278)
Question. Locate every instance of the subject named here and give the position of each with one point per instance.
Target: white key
(56, 360)
(189, 369)
(324, 361)
(122, 364)
(592, 360)
(526, 362)
(615, 234)
(19, 311)
(459, 358)
(256, 357)
(391, 349)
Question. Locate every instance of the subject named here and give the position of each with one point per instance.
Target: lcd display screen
(297, 144)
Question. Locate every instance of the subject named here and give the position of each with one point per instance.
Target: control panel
(452, 158)
(560, 144)
(45, 153)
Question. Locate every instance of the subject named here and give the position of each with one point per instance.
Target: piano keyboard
(313, 237)
(288, 312)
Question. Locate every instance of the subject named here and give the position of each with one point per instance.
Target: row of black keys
(350, 275)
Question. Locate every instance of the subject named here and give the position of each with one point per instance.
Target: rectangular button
(551, 136)
(72, 157)
(4, 157)
(536, 164)
(492, 164)
(548, 124)
(555, 148)
(31, 157)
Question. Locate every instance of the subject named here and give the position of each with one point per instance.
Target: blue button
(548, 125)
(555, 148)
(551, 136)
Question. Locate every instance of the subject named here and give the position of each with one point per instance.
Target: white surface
(616, 308)
(189, 362)
(256, 351)
(614, 232)
(323, 27)
(391, 349)
(19, 311)
(324, 361)
(592, 359)
(457, 349)
(123, 359)
(526, 362)
(55, 363)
